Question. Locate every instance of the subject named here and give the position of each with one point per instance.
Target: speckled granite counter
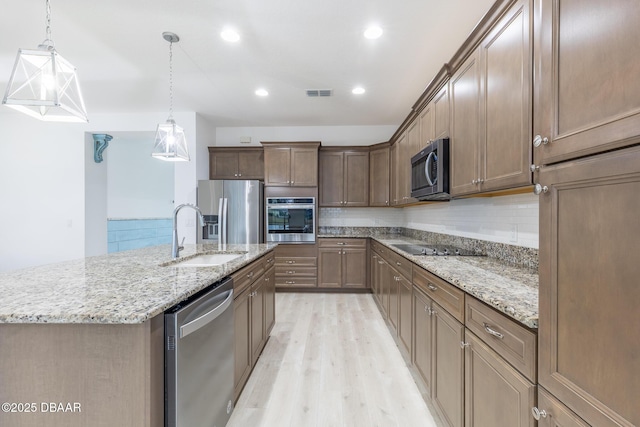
(120, 288)
(510, 289)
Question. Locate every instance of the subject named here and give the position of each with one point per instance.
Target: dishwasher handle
(208, 317)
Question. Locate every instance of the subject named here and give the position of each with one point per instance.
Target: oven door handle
(427, 168)
(208, 317)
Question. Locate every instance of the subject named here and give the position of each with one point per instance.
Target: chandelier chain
(48, 39)
(170, 80)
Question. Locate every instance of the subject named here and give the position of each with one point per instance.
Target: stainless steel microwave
(430, 172)
(291, 219)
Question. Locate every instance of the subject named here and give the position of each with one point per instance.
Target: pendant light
(44, 85)
(170, 143)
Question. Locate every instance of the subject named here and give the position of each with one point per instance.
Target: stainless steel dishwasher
(199, 359)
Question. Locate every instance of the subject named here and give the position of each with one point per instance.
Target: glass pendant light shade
(170, 144)
(44, 85)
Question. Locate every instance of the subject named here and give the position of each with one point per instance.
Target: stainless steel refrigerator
(233, 211)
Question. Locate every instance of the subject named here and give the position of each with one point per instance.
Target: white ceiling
(287, 46)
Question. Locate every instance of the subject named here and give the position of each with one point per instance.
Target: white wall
(138, 186)
(327, 135)
(48, 182)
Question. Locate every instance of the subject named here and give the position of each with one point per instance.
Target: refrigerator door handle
(225, 212)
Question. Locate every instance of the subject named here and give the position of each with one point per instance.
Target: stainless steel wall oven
(291, 219)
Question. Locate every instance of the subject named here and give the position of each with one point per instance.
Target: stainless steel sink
(206, 260)
(411, 248)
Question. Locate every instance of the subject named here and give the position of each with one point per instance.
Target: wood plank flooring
(330, 361)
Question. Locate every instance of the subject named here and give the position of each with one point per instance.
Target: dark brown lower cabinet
(405, 321)
(448, 367)
(257, 318)
(242, 326)
(552, 413)
(495, 393)
(269, 300)
(394, 310)
(422, 337)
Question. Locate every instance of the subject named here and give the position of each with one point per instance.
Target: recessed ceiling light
(373, 32)
(359, 90)
(230, 35)
(262, 92)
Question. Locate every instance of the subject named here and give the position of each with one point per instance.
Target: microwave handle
(427, 168)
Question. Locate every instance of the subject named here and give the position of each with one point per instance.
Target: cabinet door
(304, 167)
(223, 165)
(373, 276)
(242, 353)
(354, 268)
(257, 318)
(589, 294)
(405, 315)
(441, 113)
(251, 164)
(427, 129)
(448, 367)
(379, 177)
(506, 107)
(356, 178)
(394, 301)
(269, 301)
(422, 337)
(406, 147)
(331, 178)
(415, 143)
(555, 413)
(465, 116)
(277, 166)
(587, 96)
(495, 393)
(393, 175)
(330, 270)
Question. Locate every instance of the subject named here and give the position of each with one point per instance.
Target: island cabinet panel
(257, 332)
(269, 295)
(587, 92)
(242, 340)
(379, 164)
(495, 393)
(236, 163)
(588, 337)
(115, 373)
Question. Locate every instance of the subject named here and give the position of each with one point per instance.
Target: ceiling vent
(314, 93)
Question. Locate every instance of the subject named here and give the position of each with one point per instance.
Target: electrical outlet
(513, 238)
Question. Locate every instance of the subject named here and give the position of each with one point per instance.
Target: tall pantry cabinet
(586, 110)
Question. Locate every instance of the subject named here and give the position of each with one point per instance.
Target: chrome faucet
(175, 248)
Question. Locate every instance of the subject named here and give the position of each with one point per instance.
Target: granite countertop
(510, 289)
(119, 288)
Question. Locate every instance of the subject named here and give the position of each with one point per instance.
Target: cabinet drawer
(379, 247)
(244, 277)
(296, 271)
(515, 343)
(297, 261)
(341, 243)
(296, 282)
(445, 294)
(399, 263)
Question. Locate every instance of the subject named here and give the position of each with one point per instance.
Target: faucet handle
(181, 245)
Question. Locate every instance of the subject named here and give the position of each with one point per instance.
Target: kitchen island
(81, 342)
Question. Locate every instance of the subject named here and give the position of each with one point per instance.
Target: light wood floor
(330, 361)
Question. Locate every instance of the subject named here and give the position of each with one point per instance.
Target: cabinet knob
(239, 174)
(534, 168)
(474, 181)
(538, 140)
(464, 344)
(398, 263)
(386, 202)
(539, 189)
(537, 413)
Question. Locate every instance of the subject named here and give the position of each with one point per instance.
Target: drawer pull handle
(341, 243)
(432, 287)
(291, 262)
(398, 263)
(250, 275)
(492, 331)
(537, 413)
(290, 282)
(291, 272)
